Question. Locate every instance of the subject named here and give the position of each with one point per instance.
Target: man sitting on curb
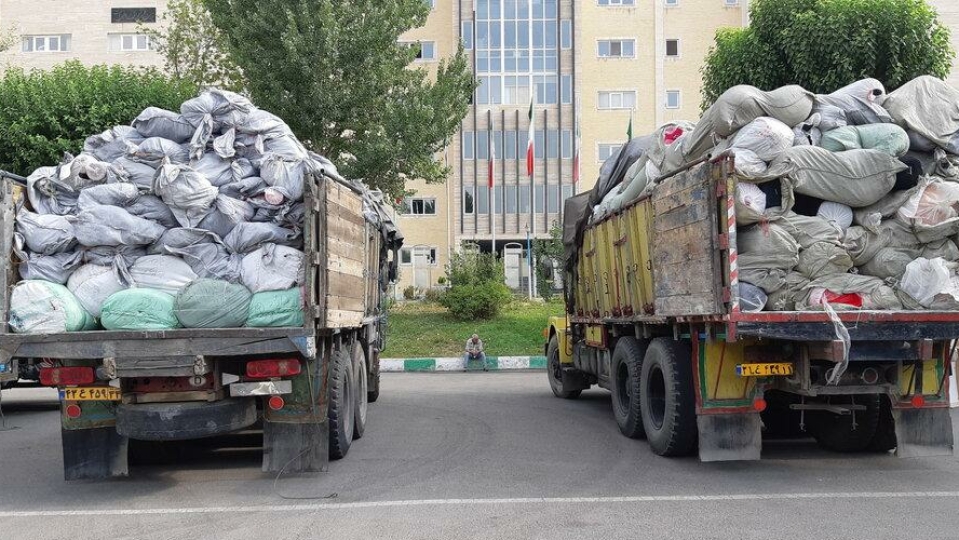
(474, 351)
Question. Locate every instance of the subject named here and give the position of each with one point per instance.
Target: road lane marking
(488, 502)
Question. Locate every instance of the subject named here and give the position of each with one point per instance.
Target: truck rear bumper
(180, 421)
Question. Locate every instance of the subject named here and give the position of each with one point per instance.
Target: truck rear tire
(668, 398)
(554, 372)
(885, 438)
(341, 408)
(835, 432)
(626, 387)
(362, 387)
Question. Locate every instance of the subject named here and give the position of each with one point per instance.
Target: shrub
(46, 113)
(409, 292)
(476, 301)
(441, 280)
(477, 290)
(434, 296)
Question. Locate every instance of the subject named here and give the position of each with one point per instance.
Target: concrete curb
(495, 363)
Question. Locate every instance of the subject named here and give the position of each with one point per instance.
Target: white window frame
(731, 3)
(616, 3)
(425, 59)
(600, 145)
(46, 40)
(432, 4)
(133, 36)
(621, 93)
(610, 41)
(431, 253)
(679, 98)
(408, 203)
(679, 48)
(671, 3)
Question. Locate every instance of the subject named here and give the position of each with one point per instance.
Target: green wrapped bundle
(139, 309)
(213, 303)
(276, 308)
(43, 307)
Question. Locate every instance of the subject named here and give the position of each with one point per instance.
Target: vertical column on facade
(545, 170)
(559, 103)
(475, 131)
(459, 30)
(502, 183)
(518, 154)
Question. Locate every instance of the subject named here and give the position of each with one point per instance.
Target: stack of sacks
(189, 218)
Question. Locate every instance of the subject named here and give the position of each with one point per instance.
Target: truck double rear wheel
(625, 371)
(668, 398)
(362, 388)
(342, 407)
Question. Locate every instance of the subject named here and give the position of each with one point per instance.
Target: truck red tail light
(67, 376)
(267, 369)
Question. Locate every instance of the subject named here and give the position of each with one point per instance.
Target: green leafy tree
(8, 38)
(823, 45)
(477, 290)
(46, 113)
(337, 73)
(192, 46)
(547, 251)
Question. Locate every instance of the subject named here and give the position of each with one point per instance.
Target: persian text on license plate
(778, 369)
(93, 393)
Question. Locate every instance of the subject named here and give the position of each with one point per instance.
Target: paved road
(473, 456)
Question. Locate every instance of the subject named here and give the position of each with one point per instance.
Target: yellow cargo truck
(653, 315)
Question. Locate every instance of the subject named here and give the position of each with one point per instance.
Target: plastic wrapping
(114, 226)
(46, 234)
(248, 237)
(210, 303)
(276, 308)
(162, 272)
(751, 298)
(766, 137)
(923, 279)
(272, 268)
(93, 284)
(872, 293)
(836, 213)
(41, 307)
(157, 122)
(750, 203)
(139, 309)
(855, 178)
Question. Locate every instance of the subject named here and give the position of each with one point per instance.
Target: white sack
(926, 278)
(157, 122)
(114, 226)
(765, 136)
(855, 178)
(272, 268)
(750, 201)
(836, 213)
(93, 284)
(46, 234)
(162, 272)
(185, 190)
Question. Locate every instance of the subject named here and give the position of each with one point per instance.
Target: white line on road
(474, 502)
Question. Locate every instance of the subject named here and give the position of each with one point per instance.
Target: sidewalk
(495, 363)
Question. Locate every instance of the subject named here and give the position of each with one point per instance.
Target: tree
(46, 113)
(8, 38)
(477, 290)
(192, 46)
(823, 45)
(547, 251)
(338, 74)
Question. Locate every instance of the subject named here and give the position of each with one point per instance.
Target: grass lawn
(418, 330)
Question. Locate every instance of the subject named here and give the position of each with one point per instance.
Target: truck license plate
(92, 393)
(778, 369)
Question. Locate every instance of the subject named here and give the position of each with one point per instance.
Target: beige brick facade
(86, 22)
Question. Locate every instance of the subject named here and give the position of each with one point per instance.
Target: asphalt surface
(472, 456)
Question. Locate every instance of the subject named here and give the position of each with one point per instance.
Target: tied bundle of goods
(189, 218)
(849, 199)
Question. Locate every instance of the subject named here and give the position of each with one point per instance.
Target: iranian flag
(529, 141)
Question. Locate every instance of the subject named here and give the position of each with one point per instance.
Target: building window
(419, 206)
(510, 199)
(545, 87)
(406, 256)
(566, 34)
(515, 90)
(468, 206)
(467, 31)
(430, 3)
(482, 200)
(57, 43)
(133, 15)
(608, 150)
(731, 3)
(672, 48)
(468, 145)
(524, 199)
(130, 42)
(482, 146)
(509, 152)
(673, 99)
(538, 196)
(566, 81)
(617, 100)
(426, 50)
(419, 253)
(671, 3)
(567, 144)
(616, 2)
(617, 48)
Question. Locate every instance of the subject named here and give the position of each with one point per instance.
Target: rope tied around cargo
(842, 334)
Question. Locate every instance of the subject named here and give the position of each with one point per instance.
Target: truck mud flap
(296, 447)
(729, 437)
(923, 432)
(93, 454)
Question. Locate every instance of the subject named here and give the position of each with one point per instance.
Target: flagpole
(489, 172)
(529, 264)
